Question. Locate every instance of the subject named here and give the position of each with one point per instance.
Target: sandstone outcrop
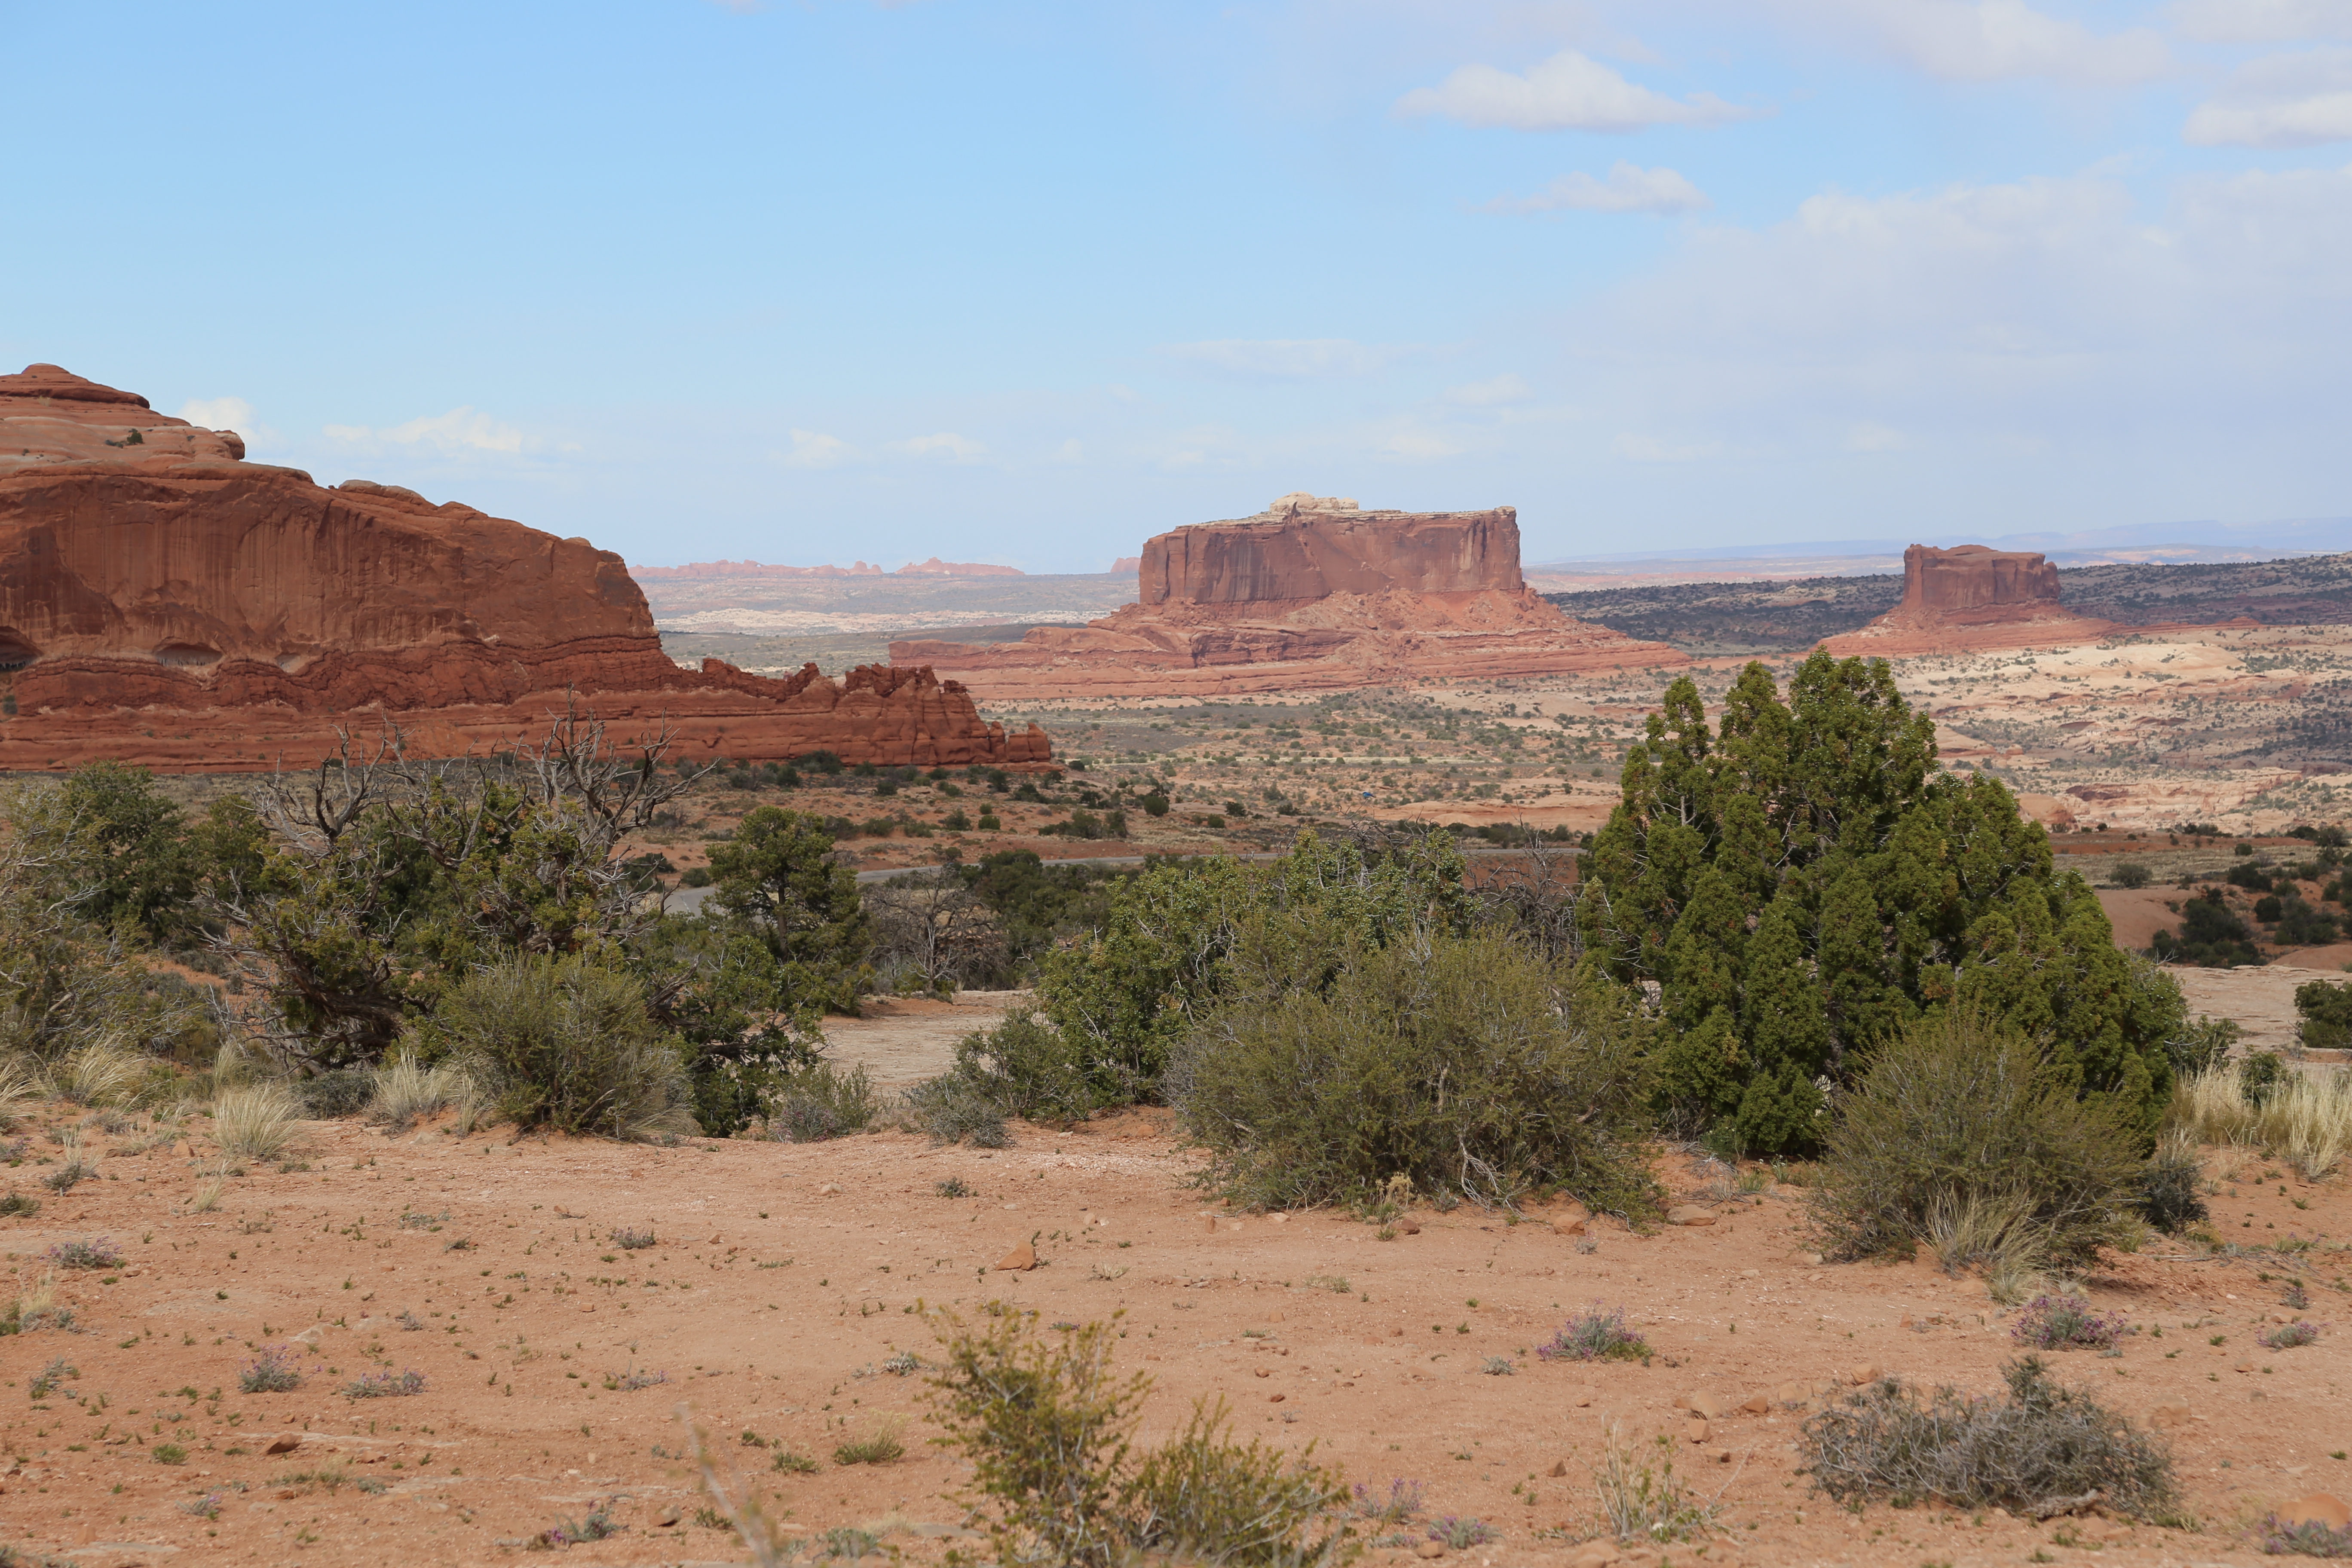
(1314, 594)
(1970, 596)
(164, 602)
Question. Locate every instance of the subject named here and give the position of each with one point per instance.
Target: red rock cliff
(164, 601)
(1975, 577)
(1970, 596)
(1313, 593)
(1299, 555)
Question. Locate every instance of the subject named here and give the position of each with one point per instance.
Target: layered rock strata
(164, 602)
(1970, 596)
(1314, 594)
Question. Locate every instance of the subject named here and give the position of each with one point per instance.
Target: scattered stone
(1709, 1406)
(1695, 1429)
(1596, 1555)
(669, 1516)
(1689, 1214)
(1407, 1225)
(1020, 1258)
(1276, 1398)
(1558, 1468)
(1430, 1549)
(1789, 1394)
(829, 1190)
(2173, 1415)
(1861, 1374)
(1569, 1224)
(1756, 1404)
(284, 1443)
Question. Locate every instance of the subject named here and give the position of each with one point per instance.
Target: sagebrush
(1048, 1426)
(1467, 1066)
(2043, 1443)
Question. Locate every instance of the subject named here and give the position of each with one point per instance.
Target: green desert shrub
(955, 1107)
(2131, 874)
(1961, 1113)
(820, 1102)
(1048, 1428)
(2326, 1015)
(1802, 882)
(332, 1095)
(1465, 1065)
(566, 1044)
(2043, 1443)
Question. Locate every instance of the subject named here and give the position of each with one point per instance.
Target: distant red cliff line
(934, 567)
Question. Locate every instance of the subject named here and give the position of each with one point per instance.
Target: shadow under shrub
(2041, 1444)
(567, 1044)
(1958, 1112)
(1465, 1065)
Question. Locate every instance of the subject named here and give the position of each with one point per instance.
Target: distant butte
(1968, 598)
(164, 602)
(1313, 593)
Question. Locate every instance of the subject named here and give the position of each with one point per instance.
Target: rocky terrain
(1315, 594)
(164, 602)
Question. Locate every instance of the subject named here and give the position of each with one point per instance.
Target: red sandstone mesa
(1312, 593)
(164, 602)
(1970, 596)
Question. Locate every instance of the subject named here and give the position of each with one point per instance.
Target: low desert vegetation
(1963, 1137)
(2044, 1444)
(1048, 1428)
(2303, 1118)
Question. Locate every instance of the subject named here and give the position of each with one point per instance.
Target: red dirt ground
(785, 1277)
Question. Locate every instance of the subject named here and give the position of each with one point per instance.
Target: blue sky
(1028, 282)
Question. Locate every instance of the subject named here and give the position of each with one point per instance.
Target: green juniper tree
(1802, 882)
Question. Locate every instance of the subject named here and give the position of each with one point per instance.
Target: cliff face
(1313, 593)
(1975, 577)
(1300, 556)
(1971, 596)
(164, 601)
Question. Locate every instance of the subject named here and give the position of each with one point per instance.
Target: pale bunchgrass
(255, 1121)
(406, 1092)
(99, 1074)
(2305, 1121)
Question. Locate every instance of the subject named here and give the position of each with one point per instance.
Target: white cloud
(813, 449)
(1628, 189)
(1569, 92)
(219, 414)
(1501, 390)
(1869, 438)
(1284, 359)
(1649, 449)
(461, 430)
(1970, 317)
(1418, 446)
(1991, 40)
(2262, 21)
(947, 444)
(2283, 100)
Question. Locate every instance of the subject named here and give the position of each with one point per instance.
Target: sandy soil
(903, 1040)
(784, 1278)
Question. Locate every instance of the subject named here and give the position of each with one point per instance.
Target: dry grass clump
(2303, 1118)
(35, 1308)
(2042, 1445)
(20, 1089)
(1640, 1502)
(255, 1123)
(100, 1074)
(405, 1091)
